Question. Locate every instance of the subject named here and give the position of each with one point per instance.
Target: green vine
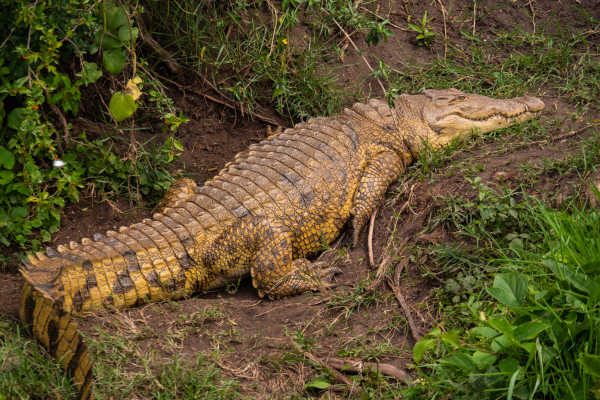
(41, 165)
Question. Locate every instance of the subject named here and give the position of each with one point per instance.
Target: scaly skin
(260, 217)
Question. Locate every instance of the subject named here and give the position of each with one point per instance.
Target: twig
(63, 121)
(338, 376)
(370, 238)
(532, 16)
(445, 15)
(164, 55)
(356, 48)
(358, 367)
(226, 104)
(404, 305)
(474, 15)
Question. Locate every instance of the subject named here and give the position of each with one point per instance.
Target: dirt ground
(215, 134)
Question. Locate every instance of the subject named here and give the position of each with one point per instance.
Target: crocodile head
(451, 113)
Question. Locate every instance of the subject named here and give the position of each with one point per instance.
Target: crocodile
(265, 212)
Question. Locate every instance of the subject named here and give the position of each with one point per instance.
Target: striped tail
(42, 308)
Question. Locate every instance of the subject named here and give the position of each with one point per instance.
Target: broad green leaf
(114, 61)
(503, 326)
(115, 15)
(485, 331)
(45, 235)
(529, 330)
(463, 360)
(591, 364)
(451, 337)
(319, 383)
(277, 92)
(483, 359)
(19, 212)
(7, 159)
(125, 34)
(108, 42)
(6, 177)
(500, 343)
(90, 73)
(421, 347)
(591, 268)
(509, 365)
(509, 289)
(15, 118)
(122, 106)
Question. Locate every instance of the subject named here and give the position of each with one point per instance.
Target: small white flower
(58, 163)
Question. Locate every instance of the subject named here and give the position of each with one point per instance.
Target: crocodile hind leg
(275, 273)
(180, 190)
(381, 171)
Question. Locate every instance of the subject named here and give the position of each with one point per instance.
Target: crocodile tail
(42, 308)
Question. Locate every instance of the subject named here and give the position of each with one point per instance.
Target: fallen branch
(370, 239)
(404, 305)
(341, 378)
(358, 367)
(164, 55)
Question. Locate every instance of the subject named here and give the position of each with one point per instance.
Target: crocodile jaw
(451, 113)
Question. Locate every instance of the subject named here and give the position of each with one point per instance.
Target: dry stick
(445, 15)
(356, 48)
(165, 55)
(358, 367)
(370, 239)
(404, 305)
(196, 91)
(532, 16)
(63, 121)
(338, 376)
(474, 15)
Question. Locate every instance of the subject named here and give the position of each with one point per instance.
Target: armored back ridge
(276, 203)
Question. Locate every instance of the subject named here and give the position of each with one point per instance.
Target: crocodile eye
(462, 97)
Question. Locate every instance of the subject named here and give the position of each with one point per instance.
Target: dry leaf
(503, 176)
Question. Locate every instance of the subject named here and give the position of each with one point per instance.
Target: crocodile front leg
(382, 169)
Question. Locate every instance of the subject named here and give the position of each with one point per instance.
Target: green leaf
(6, 177)
(509, 289)
(90, 73)
(483, 359)
(114, 61)
(285, 4)
(485, 331)
(115, 15)
(503, 326)
(590, 364)
(463, 360)
(178, 145)
(122, 106)
(421, 347)
(108, 42)
(451, 337)
(125, 33)
(19, 212)
(509, 365)
(319, 383)
(529, 330)
(45, 235)
(15, 118)
(277, 92)
(7, 159)
(511, 386)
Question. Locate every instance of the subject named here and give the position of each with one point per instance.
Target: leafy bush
(32, 88)
(537, 336)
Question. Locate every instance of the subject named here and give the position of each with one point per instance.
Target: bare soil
(216, 133)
